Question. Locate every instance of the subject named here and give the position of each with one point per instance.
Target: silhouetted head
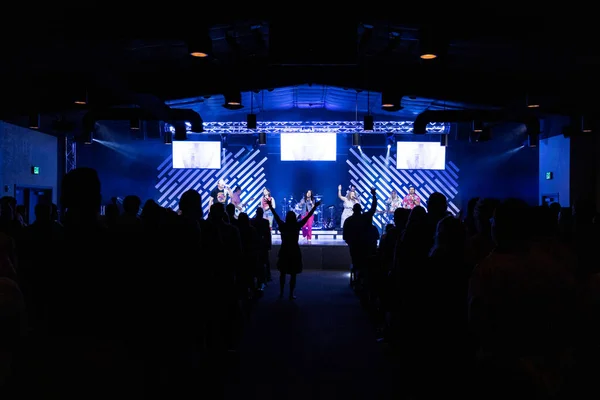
(417, 215)
(290, 217)
(190, 203)
(510, 224)
(243, 219)
(401, 217)
(131, 204)
(43, 212)
(260, 213)
(437, 205)
(152, 211)
(217, 212)
(230, 210)
(450, 233)
(81, 190)
(357, 209)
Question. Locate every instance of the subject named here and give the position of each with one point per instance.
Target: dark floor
(319, 346)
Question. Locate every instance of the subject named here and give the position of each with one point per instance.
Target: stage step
(332, 235)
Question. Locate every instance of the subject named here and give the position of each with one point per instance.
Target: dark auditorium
(379, 206)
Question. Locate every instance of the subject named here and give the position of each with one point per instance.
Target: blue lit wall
(502, 167)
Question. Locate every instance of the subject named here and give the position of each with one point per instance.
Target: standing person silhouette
(290, 257)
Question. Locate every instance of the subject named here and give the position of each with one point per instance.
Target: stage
(327, 251)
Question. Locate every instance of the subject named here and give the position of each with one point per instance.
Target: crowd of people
(130, 301)
(501, 300)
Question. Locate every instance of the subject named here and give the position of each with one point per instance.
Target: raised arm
(310, 213)
(275, 215)
(273, 201)
(371, 211)
(342, 198)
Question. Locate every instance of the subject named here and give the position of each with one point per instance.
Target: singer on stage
(306, 204)
(393, 202)
(266, 199)
(349, 201)
(411, 199)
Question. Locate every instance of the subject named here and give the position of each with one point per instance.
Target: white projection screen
(308, 146)
(420, 155)
(204, 155)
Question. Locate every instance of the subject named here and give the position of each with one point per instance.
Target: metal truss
(70, 154)
(396, 127)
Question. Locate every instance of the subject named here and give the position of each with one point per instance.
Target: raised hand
(340, 188)
(373, 191)
(270, 203)
(318, 203)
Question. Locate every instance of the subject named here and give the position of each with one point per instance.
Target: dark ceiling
(488, 58)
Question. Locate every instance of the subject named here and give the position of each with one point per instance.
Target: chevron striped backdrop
(247, 169)
(244, 167)
(381, 173)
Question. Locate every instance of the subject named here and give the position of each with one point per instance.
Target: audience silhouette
(150, 302)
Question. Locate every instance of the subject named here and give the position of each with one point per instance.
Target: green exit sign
(549, 175)
(35, 170)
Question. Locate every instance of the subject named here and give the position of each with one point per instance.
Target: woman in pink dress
(306, 204)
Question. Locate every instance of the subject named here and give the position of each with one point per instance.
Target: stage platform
(327, 251)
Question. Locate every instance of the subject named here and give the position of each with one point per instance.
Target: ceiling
(487, 57)
(316, 98)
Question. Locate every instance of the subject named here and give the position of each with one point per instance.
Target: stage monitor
(204, 155)
(308, 146)
(420, 155)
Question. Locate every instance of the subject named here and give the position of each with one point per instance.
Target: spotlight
(200, 46)
(223, 142)
(532, 140)
(390, 139)
(34, 121)
(87, 137)
(356, 139)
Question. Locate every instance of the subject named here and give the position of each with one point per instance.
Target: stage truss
(70, 154)
(396, 127)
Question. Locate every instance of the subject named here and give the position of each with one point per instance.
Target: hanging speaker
(251, 121)
(356, 139)
(262, 138)
(444, 140)
(368, 124)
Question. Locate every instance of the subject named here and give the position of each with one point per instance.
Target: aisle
(320, 346)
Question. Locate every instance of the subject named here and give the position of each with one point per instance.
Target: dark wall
(21, 149)
(501, 167)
